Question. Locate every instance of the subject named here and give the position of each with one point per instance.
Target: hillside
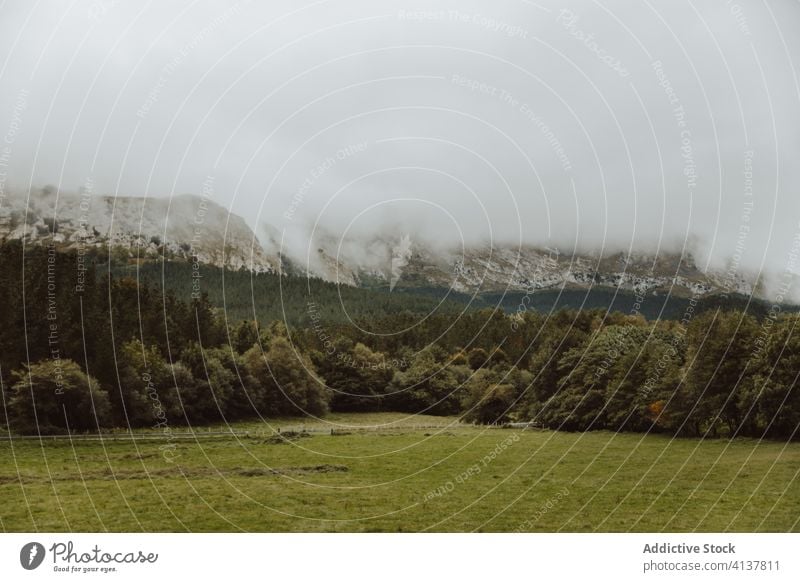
(196, 230)
(189, 227)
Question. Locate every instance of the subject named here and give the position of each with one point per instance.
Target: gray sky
(597, 124)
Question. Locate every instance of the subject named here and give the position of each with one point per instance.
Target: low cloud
(653, 129)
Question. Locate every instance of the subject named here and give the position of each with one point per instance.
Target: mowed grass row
(398, 478)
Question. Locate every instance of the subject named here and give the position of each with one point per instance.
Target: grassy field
(423, 473)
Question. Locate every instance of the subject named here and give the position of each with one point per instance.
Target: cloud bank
(652, 127)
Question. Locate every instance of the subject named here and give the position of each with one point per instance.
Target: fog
(634, 126)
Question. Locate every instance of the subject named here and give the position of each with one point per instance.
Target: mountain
(189, 227)
(400, 262)
(197, 229)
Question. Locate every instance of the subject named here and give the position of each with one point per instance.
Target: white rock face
(191, 227)
(401, 261)
(196, 228)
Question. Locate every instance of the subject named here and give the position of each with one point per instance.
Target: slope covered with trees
(83, 347)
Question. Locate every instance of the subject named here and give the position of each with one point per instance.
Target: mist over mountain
(196, 230)
(188, 227)
(401, 260)
(656, 131)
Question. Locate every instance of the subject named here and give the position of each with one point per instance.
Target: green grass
(366, 479)
(339, 421)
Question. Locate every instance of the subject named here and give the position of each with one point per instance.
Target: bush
(56, 397)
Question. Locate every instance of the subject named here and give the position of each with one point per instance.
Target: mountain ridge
(186, 226)
(197, 229)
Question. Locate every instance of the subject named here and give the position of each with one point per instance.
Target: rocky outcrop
(198, 229)
(186, 226)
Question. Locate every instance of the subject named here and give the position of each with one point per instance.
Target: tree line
(117, 351)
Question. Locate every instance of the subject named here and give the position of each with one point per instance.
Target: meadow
(394, 473)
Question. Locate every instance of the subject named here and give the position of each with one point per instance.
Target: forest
(85, 346)
(267, 296)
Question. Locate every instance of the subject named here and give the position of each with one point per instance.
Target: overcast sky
(610, 125)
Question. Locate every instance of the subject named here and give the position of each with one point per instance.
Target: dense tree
(141, 372)
(285, 381)
(718, 366)
(295, 377)
(243, 336)
(356, 375)
(477, 358)
(770, 399)
(161, 356)
(428, 385)
(491, 394)
(55, 396)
